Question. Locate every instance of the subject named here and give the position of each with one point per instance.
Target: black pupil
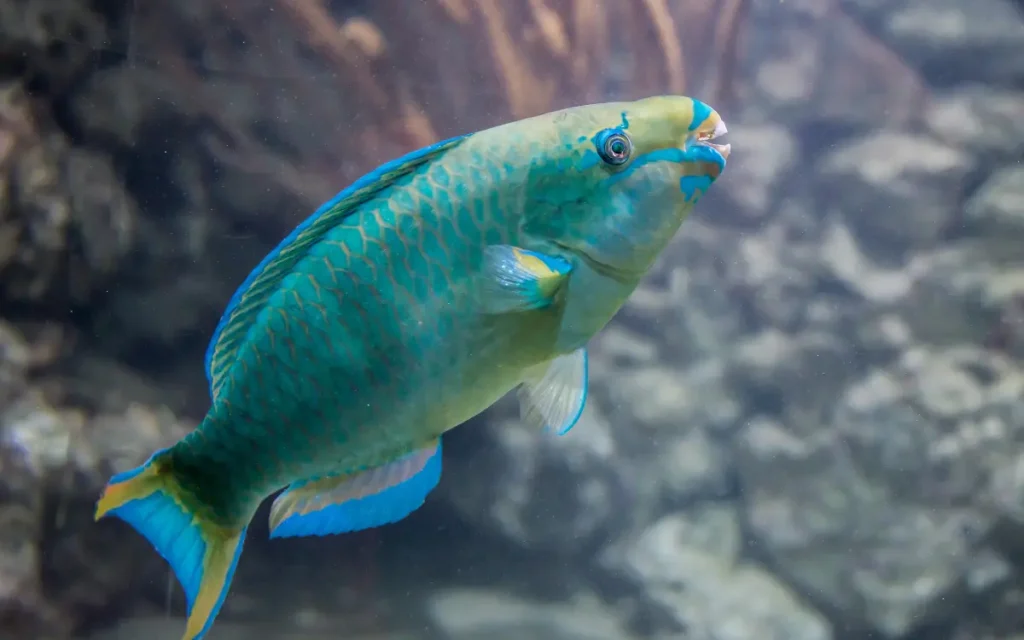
(617, 147)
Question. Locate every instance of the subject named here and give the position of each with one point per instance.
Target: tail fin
(202, 554)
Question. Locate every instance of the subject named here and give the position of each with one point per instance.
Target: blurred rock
(980, 118)
(999, 619)
(958, 42)
(56, 565)
(870, 279)
(754, 180)
(15, 361)
(649, 438)
(24, 611)
(998, 207)
(534, 476)
(66, 222)
(469, 615)
(32, 442)
(965, 293)
(53, 41)
(688, 568)
(167, 628)
(810, 63)
(895, 477)
(897, 191)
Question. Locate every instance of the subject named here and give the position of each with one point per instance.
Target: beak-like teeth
(720, 130)
(724, 149)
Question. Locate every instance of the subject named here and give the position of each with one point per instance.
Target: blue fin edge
(176, 535)
(565, 428)
(572, 420)
(391, 504)
(510, 285)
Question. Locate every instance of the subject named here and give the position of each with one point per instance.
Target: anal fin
(344, 503)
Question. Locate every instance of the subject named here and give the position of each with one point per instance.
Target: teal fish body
(409, 303)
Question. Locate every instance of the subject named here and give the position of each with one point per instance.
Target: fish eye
(614, 146)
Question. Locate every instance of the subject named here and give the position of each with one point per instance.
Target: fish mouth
(705, 138)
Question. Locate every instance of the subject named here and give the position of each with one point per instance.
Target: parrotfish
(409, 303)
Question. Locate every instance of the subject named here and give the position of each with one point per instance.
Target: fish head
(618, 179)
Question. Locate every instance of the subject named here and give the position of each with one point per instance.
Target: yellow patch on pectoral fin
(514, 279)
(343, 503)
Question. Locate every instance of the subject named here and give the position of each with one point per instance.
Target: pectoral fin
(344, 503)
(553, 394)
(515, 279)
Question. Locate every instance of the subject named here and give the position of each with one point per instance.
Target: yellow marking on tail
(221, 545)
(136, 487)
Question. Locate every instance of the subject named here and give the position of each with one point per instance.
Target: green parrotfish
(409, 303)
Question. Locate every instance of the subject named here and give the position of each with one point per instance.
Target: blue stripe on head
(589, 160)
(701, 112)
(660, 155)
(687, 184)
(704, 153)
(691, 185)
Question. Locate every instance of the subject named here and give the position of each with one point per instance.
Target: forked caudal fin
(202, 554)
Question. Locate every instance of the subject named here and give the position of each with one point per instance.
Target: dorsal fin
(264, 280)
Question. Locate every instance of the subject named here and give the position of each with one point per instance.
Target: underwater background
(807, 424)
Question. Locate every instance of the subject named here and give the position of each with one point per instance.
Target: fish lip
(723, 149)
(705, 139)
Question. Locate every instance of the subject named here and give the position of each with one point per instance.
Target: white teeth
(720, 130)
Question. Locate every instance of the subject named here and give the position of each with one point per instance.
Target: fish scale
(373, 327)
(404, 306)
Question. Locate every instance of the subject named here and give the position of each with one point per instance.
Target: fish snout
(719, 129)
